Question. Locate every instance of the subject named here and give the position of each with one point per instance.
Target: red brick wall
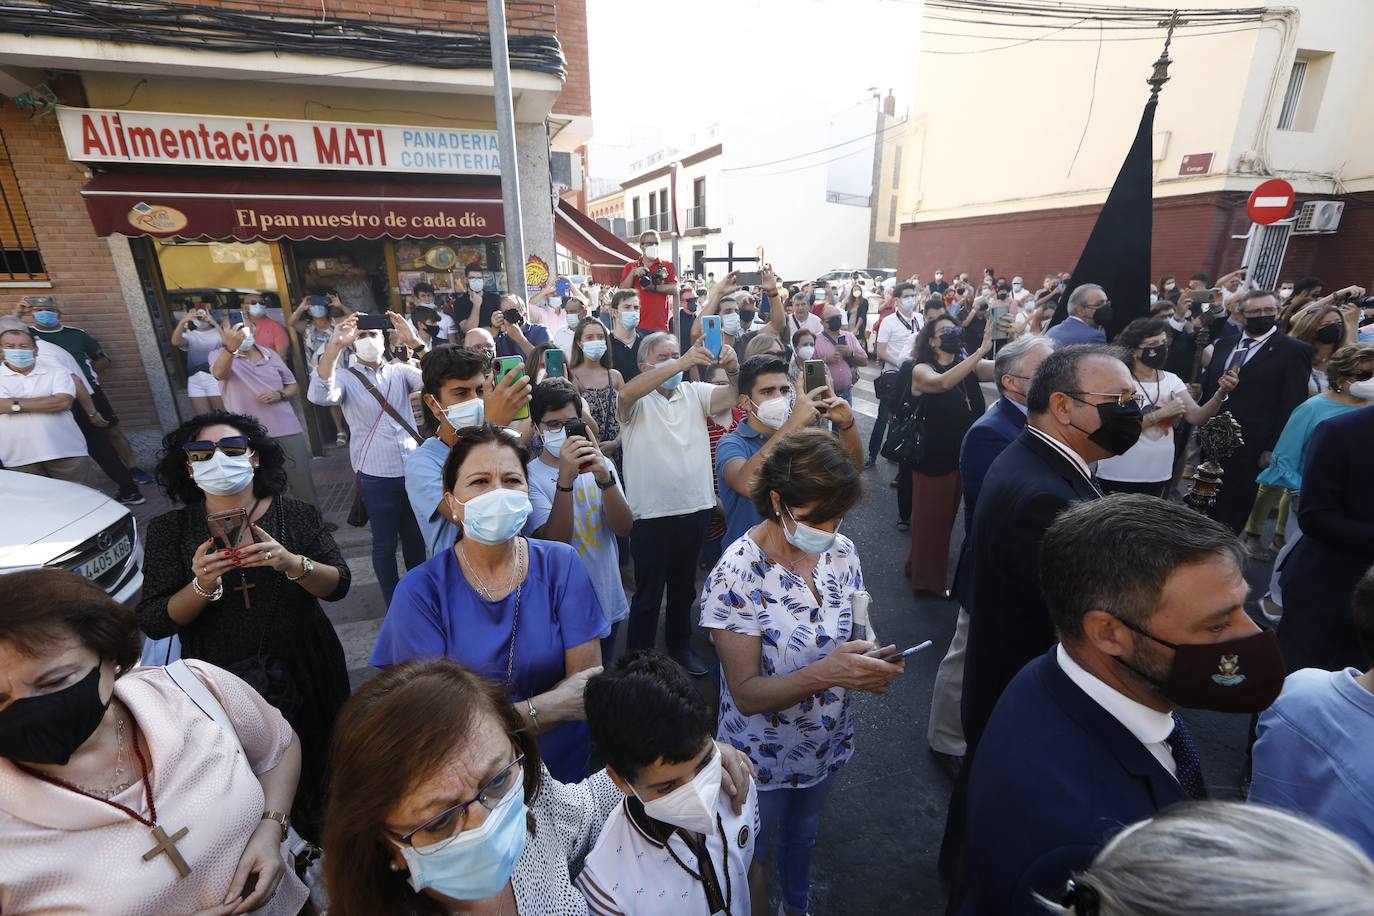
(1191, 234)
(576, 98)
(78, 262)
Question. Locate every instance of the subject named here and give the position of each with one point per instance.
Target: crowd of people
(556, 474)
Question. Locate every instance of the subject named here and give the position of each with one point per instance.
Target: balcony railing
(696, 218)
(661, 222)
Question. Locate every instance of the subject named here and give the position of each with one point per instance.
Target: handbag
(906, 430)
(357, 512)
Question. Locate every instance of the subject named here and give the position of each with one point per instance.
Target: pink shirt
(841, 373)
(269, 334)
(248, 379)
(65, 853)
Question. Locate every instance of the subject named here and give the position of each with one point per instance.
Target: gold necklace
(118, 786)
(482, 586)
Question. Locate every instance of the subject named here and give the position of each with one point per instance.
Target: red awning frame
(205, 207)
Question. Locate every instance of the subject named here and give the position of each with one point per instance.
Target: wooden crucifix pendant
(243, 587)
(168, 845)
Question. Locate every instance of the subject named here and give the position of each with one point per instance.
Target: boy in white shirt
(675, 844)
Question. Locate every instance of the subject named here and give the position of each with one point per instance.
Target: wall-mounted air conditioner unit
(1318, 216)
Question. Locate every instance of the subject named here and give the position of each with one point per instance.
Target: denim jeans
(391, 519)
(794, 816)
(875, 439)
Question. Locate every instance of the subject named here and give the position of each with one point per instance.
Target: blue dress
(435, 612)
(1285, 465)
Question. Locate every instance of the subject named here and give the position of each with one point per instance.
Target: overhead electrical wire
(823, 149)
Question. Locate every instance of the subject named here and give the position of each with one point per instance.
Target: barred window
(19, 256)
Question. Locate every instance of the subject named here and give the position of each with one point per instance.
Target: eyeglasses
(437, 832)
(1103, 304)
(554, 426)
(1120, 397)
(204, 449)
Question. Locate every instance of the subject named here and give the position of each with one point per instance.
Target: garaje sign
(142, 137)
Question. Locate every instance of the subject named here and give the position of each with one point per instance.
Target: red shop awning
(585, 237)
(270, 208)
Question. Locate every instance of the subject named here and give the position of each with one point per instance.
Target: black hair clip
(1083, 899)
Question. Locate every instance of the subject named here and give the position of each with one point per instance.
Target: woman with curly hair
(249, 601)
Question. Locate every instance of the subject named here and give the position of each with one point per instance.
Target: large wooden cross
(167, 845)
(242, 588)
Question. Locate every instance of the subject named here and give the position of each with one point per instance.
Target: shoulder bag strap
(385, 404)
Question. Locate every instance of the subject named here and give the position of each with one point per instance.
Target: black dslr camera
(656, 277)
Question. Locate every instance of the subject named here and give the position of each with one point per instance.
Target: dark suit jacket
(1027, 486)
(1054, 778)
(985, 440)
(1272, 383)
(1336, 514)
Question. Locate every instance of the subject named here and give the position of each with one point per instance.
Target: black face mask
(1329, 334)
(50, 727)
(1120, 427)
(1236, 675)
(432, 330)
(1154, 357)
(746, 317)
(951, 343)
(834, 323)
(1103, 317)
(1256, 325)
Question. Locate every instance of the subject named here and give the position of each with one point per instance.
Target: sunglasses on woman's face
(204, 449)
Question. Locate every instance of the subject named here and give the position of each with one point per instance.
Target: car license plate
(94, 568)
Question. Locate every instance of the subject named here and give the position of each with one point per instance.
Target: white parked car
(61, 525)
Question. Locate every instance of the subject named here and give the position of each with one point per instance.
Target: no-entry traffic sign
(1270, 202)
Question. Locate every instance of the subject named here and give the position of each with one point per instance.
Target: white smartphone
(896, 656)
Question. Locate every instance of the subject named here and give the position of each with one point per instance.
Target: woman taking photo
(1149, 464)
(254, 608)
(947, 400)
(118, 795)
(598, 383)
(518, 611)
(439, 803)
(778, 606)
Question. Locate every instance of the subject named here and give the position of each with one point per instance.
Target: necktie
(1238, 357)
(1186, 760)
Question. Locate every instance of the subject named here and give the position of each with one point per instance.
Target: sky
(684, 66)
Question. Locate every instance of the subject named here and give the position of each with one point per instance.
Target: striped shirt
(377, 446)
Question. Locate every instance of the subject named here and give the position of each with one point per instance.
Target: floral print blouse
(750, 594)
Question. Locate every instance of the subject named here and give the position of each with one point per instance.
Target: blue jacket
(984, 441)
(1054, 778)
(1075, 331)
(1029, 484)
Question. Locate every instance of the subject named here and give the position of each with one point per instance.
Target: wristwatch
(307, 567)
(609, 482)
(14, 405)
(562, 489)
(283, 821)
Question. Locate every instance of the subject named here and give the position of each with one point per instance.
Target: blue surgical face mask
(46, 318)
(673, 380)
(20, 358)
(222, 475)
(496, 516)
(477, 863)
(257, 309)
(465, 413)
(553, 442)
(808, 540)
(594, 349)
(319, 311)
(630, 320)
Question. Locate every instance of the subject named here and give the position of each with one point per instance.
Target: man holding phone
(840, 351)
(475, 305)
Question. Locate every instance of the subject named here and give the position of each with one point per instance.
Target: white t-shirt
(630, 873)
(1151, 459)
(29, 437)
(898, 334)
(668, 452)
(812, 324)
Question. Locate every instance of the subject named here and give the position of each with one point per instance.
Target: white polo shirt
(630, 873)
(27, 438)
(898, 333)
(668, 452)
